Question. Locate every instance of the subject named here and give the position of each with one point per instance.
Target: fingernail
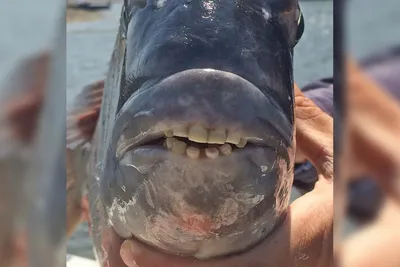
(129, 246)
(127, 253)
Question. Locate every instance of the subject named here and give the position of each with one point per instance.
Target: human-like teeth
(179, 147)
(242, 143)
(169, 133)
(212, 152)
(217, 136)
(233, 138)
(169, 142)
(225, 149)
(180, 130)
(193, 152)
(198, 133)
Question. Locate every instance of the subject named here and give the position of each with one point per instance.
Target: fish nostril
(139, 3)
(156, 3)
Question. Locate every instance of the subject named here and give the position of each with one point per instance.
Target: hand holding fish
(187, 148)
(305, 238)
(377, 153)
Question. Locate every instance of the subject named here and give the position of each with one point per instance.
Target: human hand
(372, 141)
(305, 238)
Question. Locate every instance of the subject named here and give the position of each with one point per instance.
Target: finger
(111, 245)
(314, 139)
(314, 134)
(139, 255)
(135, 254)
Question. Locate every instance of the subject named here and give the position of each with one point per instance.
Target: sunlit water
(90, 44)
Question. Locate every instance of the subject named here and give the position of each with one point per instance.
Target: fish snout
(203, 166)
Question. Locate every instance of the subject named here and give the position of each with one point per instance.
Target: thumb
(137, 254)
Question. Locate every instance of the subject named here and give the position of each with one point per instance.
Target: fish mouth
(201, 166)
(194, 141)
(203, 122)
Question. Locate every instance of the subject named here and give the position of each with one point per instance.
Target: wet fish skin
(225, 64)
(241, 37)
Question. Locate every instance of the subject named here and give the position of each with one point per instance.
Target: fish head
(201, 157)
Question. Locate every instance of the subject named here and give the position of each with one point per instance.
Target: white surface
(75, 261)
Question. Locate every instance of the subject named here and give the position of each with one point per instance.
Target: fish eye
(300, 27)
(297, 31)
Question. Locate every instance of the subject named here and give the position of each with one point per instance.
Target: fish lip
(154, 123)
(157, 132)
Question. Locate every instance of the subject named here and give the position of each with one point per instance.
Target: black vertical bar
(339, 47)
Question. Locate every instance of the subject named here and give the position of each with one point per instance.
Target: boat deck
(75, 261)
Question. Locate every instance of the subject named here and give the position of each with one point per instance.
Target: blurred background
(32, 133)
(371, 26)
(372, 37)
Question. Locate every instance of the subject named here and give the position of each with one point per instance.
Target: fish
(190, 142)
(32, 143)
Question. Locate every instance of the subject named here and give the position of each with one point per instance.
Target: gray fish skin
(219, 64)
